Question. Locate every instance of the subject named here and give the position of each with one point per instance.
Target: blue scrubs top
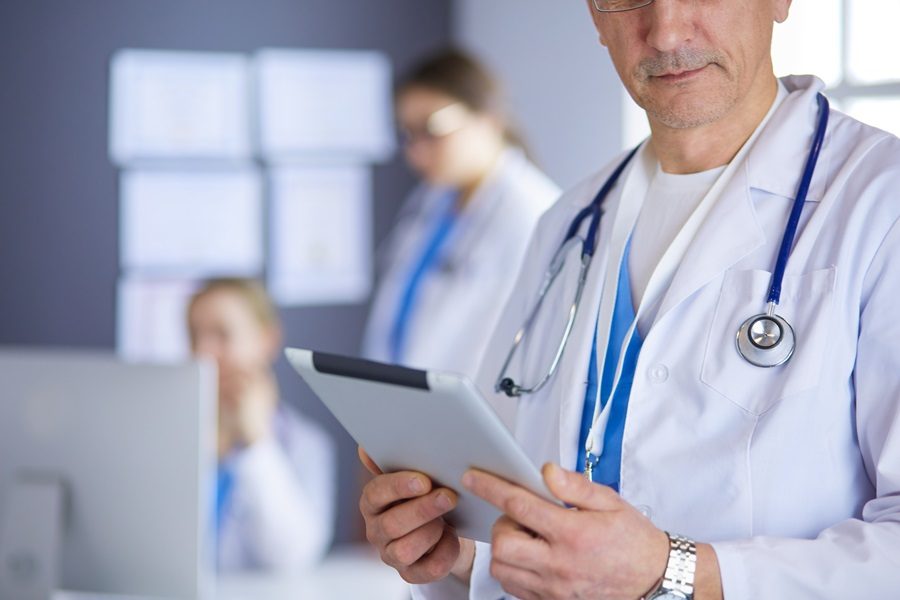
(607, 470)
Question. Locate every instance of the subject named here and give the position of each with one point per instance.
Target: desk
(348, 573)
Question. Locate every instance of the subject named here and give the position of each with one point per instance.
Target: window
(853, 46)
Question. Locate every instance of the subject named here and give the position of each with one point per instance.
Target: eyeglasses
(439, 124)
(611, 6)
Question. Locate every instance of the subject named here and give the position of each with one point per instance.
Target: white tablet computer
(426, 421)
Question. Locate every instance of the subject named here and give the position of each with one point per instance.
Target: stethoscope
(764, 340)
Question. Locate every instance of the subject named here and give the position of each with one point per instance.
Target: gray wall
(58, 203)
(562, 86)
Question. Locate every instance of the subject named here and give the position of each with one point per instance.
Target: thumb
(576, 491)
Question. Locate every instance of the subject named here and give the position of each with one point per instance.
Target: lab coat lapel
(777, 160)
(730, 232)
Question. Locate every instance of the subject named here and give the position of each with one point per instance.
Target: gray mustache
(676, 62)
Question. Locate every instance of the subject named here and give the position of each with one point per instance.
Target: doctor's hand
(603, 548)
(248, 399)
(404, 521)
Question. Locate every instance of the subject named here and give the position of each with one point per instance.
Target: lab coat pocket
(806, 303)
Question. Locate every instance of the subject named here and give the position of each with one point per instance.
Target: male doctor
(717, 470)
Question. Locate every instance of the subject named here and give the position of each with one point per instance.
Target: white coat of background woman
(449, 264)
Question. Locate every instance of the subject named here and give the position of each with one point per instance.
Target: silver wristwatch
(678, 581)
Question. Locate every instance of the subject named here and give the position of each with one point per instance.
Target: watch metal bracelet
(682, 566)
(678, 581)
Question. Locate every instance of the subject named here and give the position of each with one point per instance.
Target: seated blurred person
(275, 487)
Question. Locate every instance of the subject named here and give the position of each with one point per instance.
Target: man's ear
(594, 18)
(782, 9)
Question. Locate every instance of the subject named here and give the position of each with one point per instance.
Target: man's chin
(688, 109)
(686, 119)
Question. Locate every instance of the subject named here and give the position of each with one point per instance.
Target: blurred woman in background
(276, 477)
(448, 266)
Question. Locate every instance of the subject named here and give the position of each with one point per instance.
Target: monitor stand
(30, 531)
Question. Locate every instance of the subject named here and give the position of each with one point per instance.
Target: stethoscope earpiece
(508, 387)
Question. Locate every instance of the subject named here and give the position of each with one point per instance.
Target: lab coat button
(658, 373)
(645, 510)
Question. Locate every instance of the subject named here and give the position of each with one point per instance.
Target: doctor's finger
(514, 546)
(437, 563)
(385, 490)
(573, 489)
(519, 582)
(405, 551)
(406, 517)
(367, 461)
(522, 506)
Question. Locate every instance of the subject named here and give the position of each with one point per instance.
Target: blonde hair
(250, 291)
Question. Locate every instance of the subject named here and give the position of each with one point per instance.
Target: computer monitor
(106, 476)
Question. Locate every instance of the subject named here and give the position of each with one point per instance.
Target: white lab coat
(458, 302)
(280, 513)
(792, 473)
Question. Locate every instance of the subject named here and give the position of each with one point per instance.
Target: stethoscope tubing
(595, 210)
(790, 231)
(588, 247)
(506, 384)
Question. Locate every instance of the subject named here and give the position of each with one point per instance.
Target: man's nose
(671, 24)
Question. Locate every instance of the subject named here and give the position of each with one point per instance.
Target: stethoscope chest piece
(766, 340)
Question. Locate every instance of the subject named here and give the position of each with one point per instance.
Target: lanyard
(608, 465)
